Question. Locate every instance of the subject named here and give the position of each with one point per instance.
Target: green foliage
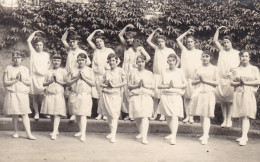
(241, 18)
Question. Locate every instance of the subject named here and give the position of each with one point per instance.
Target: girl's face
(172, 62)
(244, 58)
(190, 43)
(81, 61)
(161, 42)
(129, 40)
(39, 46)
(140, 63)
(56, 62)
(227, 44)
(17, 59)
(205, 58)
(74, 44)
(112, 63)
(100, 43)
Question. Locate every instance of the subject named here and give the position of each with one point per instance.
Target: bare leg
(206, 128)
(186, 108)
(26, 123)
(229, 120)
(83, 126)
(56, 124)
(138, 125)
(36, 106)
(114, 123)
(78, 122)
(245, 129)
(224, 113)
(144, 127)
(15, 125)
(173, 124)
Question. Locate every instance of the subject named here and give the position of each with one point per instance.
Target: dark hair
(75, 37)
(130, 34)
(191, 37)
(243, 51)
(141, 57)
(56, 56)
(208, 52)
(17, 53)
(112, 55)
(172, 56)
(228, 37)
(99, 37)
(82, 55)
(160, 37)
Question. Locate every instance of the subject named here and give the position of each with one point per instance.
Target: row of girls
(197, 85)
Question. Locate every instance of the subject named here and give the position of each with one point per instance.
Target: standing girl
(39, 65)
(190, 60)
(141, 103)
(99, 62)
(132, 49)
(159, 64)
(80, 99)
(228, 59)
(172, 88)
(73, 51)
(17, 86)
(246, 80)
(111, 100)
(203, 99)
(54, 102)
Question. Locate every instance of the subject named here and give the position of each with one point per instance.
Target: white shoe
(229, 124)
(99, 117)
(31, 137)
(72, 118)
(139, 136)
(204, 140)
(168, 137)
(162, 118)
(104, 118)
(242, 142)
(54, 136)
(109, 136)
(113, 140)
(52, 133)
(83, 138)
(224, 124)
(126, 118)
(173, 141)
(144, 141)
(15, 135)
(77, 134)
(37, 116)
(48, 116)
(203, 137)
(185, 120)
(191, 121)
(239, 139)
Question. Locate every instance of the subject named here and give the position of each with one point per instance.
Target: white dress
(54, 101)
(99, 66)
(160, 65)
(171, 103)
(16, 100)
(80, 98)
(141, 102)
(190, 61)
(227, 60)
(39, 66)
(244, 102)
(203, 99)
(111, 99)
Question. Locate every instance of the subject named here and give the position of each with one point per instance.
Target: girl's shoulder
(8, 68)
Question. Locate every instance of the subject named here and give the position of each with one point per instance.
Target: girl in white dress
(159, 65)
(228, 59)
(17, 86)
(111, 100)
(54, 102)
(141, 85)
(80, 100)
(246, 80)
(39, 65)
(172, 88)
(73, 51)
(203, 99)
(99, 62)
(190, 60)
(132, 49)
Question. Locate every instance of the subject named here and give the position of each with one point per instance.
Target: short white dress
(80, 98)
(203, 99)
(141, 102)
(244, 102)
(111, 99)
(16, 100)
(54, 101)
(171, 103)
(227, 60)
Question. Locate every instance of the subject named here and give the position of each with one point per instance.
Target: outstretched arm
(90, 37)
(180, 38)
(29, 40)
(149, 39)
(64, 37)
(121, 34)
(215, 38)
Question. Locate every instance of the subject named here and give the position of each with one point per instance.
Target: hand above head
(222, 27)
(39, 31)
(159, 29)
(130, 26)
(99, 30)
(191, 30)
(71, 28)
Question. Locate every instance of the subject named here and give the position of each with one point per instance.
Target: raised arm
(90, 37)
(64, 37)
(121, 34)
(215, 38)
(149, 39)
(29, 40)
(180, 38)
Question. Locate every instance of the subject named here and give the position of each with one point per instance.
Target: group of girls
(195, 87)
